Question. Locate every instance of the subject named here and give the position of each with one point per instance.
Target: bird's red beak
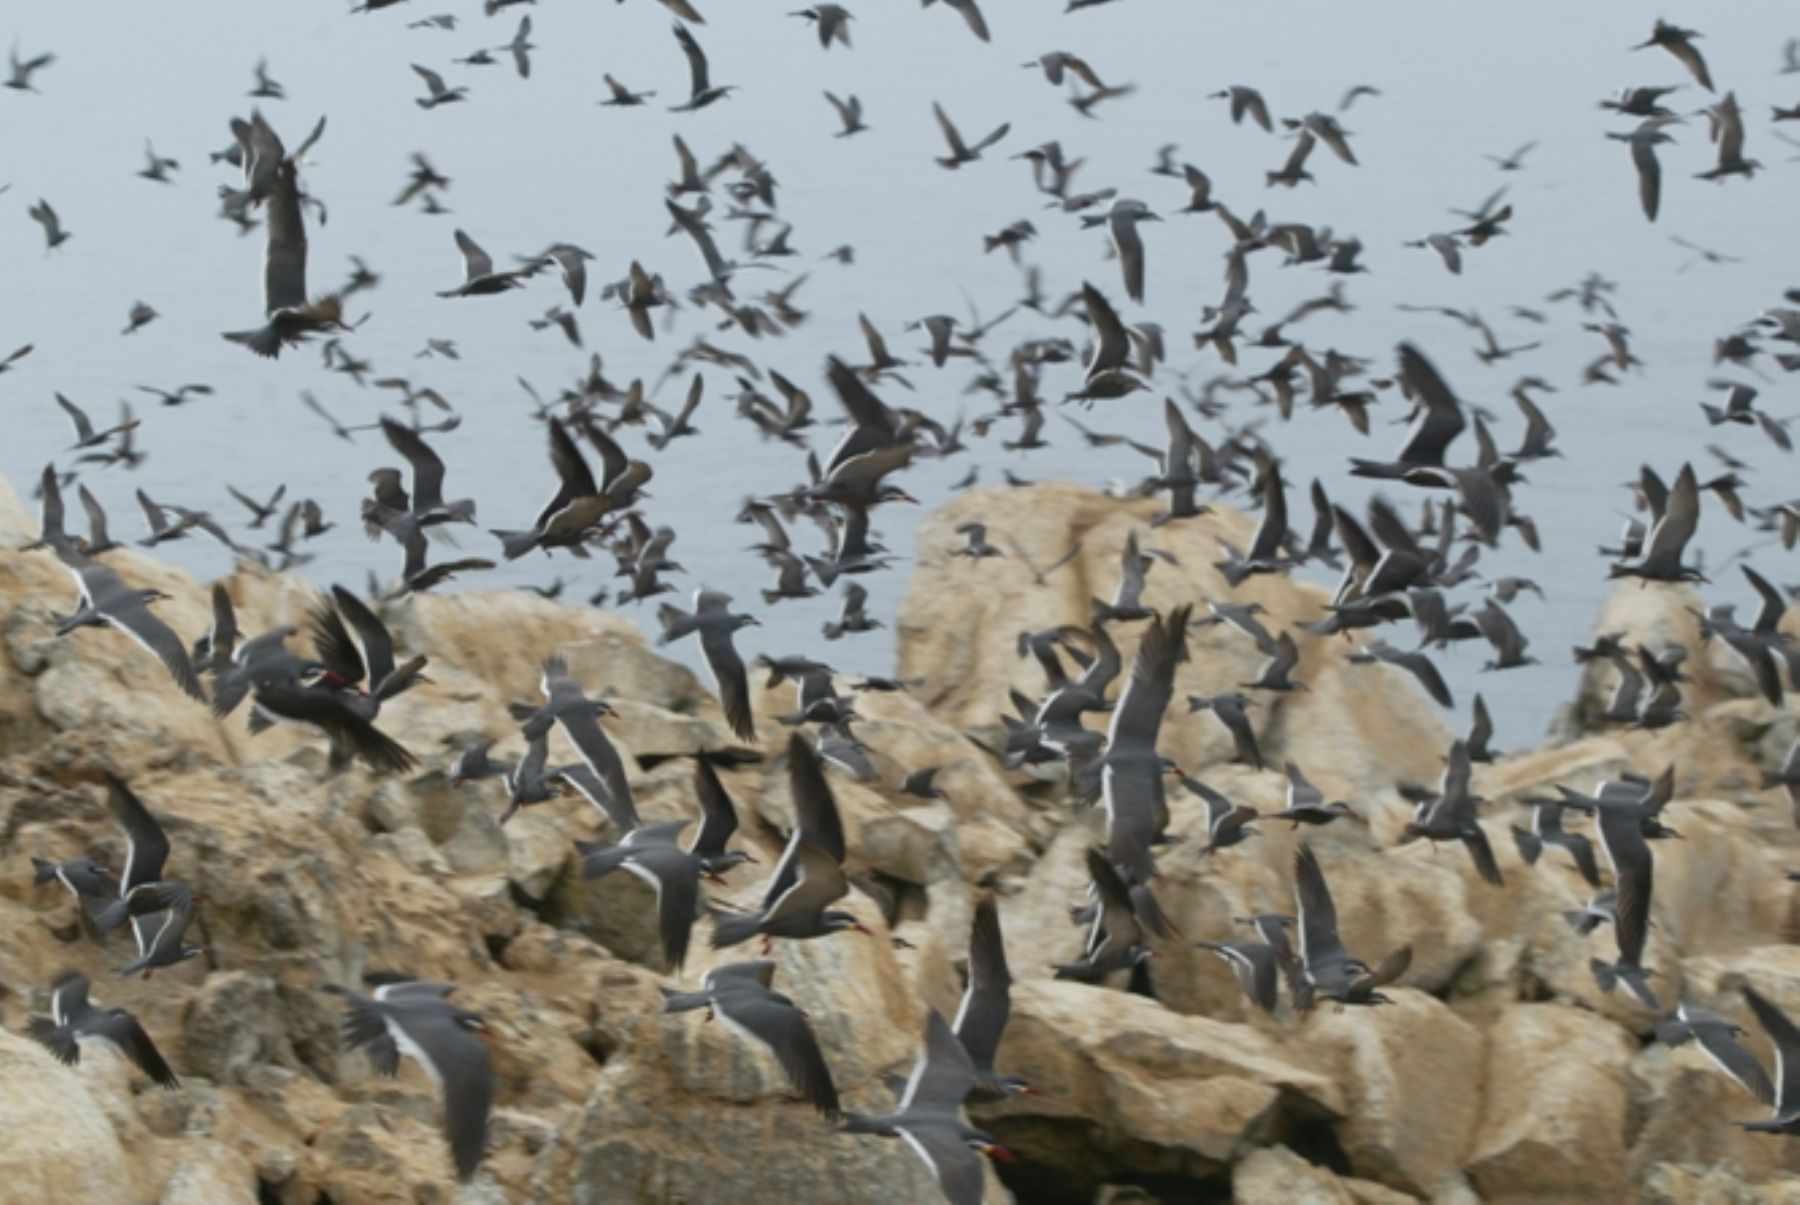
(998, 1153)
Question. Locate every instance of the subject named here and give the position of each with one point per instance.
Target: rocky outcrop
(1499, 1072)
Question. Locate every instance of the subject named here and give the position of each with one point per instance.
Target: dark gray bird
(738, 994)
(1131, 771)
(810, 875)
(986, 1004)
(1439, 421)
(623, 96)
(832, 22)
(1306, 803)
(970, 11)
(1546, 829)
(1420, 666)
(54, 234)
(23, 69)
(92, 885)
(1116, 937)
(1227, 824)
(160, 915)
(1680, 43)
(1621, 831)
(436, 91)
(1257, 967)
(672, 872)
(701, 90)
(1324, 968)
(479, 277)
(273, 175)
(427, 496)
(1230, 709)
(929, 1116)
(1267, 552)
(1451, 816)
(1675, 524)
(713, 619)
(404, 1016)
(850, 113)
(961, 152)
(1644, 140)
(357, 651)
(105, 601)
(977, 546)
(75, 1021)
(1718, 1040)
(1246, 101)
(1785, 1095)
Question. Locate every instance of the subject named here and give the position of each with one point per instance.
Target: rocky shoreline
(1500, 1072)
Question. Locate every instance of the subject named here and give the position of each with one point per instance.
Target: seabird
(961, 152)
(1230, 709)
(1306, 803)
(1680, 43)
(1131, 770)
(1257, 967)
(810, 875)
(1324, 968)
(437, 92)
(739, 995)
(403, 1016)
(75, 1020)
(1620, 827)
(929, 1116)
(1450, 816)
(105, 601)
(479, 277)
(1718, 1040)
(986, 1004)
(713, 619)
(701, 92)
(1116, 937)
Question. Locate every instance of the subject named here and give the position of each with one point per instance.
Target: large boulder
(1553, 1110)
(59, 1144)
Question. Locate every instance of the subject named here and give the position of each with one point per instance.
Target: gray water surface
(533, 161)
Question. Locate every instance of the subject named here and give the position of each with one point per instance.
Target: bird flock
(1409, 586)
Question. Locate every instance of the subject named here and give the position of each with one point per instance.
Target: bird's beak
(995, 1151)
(863, 929)
(754, 861)
(1028, 1090)
(717, 878)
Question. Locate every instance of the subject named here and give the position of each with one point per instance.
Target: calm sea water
(533, 161)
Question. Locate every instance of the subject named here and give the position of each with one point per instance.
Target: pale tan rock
(59, 1145)
(1410, 1073)
(1553, 1111)
(1184, 1095)
(1277, 1174)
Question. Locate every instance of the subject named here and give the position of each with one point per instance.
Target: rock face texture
(1498, 1072)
